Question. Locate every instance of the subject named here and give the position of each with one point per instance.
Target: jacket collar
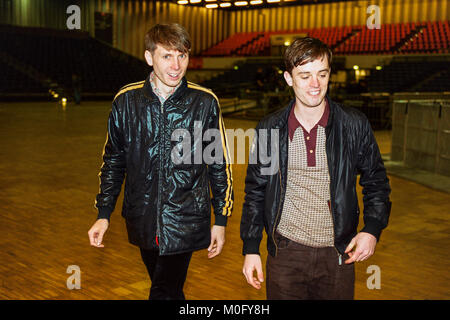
(175, 98)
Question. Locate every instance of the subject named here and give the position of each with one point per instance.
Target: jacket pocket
(135, 204)
(202, 201)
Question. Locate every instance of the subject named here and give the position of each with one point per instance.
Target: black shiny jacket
(351, 149)
(165, 204)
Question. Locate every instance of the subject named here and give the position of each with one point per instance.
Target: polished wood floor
(50, 158)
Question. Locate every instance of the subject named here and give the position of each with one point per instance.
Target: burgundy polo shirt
(310, 137)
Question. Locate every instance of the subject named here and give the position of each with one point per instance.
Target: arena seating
(60, 54)
(395, 38)
(432, 38)
(412, 74)
(438, 82)
(13, 81)
(233, 44)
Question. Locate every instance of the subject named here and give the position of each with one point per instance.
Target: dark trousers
(167, 274)
(300, 272)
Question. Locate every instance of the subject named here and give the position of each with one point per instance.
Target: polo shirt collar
(293, 123)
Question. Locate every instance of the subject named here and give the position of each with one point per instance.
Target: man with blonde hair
(167, 205)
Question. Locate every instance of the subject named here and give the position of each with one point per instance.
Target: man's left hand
(217, 241)
(361, 248)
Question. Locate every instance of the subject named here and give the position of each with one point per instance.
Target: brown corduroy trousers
(300, 272)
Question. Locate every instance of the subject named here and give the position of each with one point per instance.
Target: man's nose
(314, 82)
(175, 64)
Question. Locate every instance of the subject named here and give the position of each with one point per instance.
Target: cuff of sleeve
(372, 226)
(251, 247)
(104, 213)
(221, 220)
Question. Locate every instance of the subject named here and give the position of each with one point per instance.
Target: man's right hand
(252, 263)
(97, 231)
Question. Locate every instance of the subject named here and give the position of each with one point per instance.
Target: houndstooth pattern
(306, 217)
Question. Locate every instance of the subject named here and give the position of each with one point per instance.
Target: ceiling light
(241, 3)
(195, 1)
(182, 1)
(225, 5)
(253, 2)
(356, 67)
(212, 5)
(272, 1)
(210, 0)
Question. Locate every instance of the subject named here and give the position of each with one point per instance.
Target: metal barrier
(421, 131)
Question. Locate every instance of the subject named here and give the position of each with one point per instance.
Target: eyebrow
(307, 72)
(168, 53)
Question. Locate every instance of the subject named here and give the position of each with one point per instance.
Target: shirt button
(311, 151)
(307, 138)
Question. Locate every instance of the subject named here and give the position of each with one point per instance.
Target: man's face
(310, 82)
(169, 66)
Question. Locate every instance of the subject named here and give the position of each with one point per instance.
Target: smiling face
(169, 67)
(310, 82)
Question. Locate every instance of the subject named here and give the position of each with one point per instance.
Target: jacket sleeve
(112, 171)
(252, 220)
(375, 183)
(220, 172)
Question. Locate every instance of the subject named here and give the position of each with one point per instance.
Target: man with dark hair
(309, 208)
(167, 205)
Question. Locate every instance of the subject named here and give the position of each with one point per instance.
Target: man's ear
(288, 78)
(148, 57)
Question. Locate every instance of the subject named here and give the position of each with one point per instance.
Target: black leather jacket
(165, 204)
(351, 149)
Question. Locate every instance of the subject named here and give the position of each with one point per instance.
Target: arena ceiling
(248, 4)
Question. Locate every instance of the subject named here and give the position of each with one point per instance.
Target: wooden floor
(50, 158)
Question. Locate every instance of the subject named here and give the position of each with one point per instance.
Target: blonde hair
(170, 36)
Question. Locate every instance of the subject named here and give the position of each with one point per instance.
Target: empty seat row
(410, 37)
(100, 67)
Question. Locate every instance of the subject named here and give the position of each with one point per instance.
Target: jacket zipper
(331, 202)
(278, 214)
(161, 144)
(332, 219)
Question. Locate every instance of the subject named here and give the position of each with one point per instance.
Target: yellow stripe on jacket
(128, 87)
(228, 195)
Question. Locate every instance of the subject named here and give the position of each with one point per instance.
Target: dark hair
(305, 50)
(170, 36)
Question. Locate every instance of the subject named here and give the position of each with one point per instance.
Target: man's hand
(361, 248)
(217, 241)
(97, 231)
(252, 263)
